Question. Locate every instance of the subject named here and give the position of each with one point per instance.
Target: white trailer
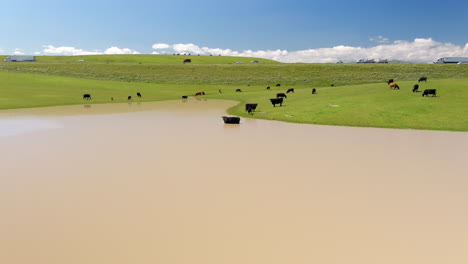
(451, 60)
(20, 58)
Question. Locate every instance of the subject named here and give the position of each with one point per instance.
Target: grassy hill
(359, 95)
(297, 74)
(147, 58)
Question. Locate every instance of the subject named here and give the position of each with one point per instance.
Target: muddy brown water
(170, 183)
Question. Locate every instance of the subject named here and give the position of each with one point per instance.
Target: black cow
(276, 101)
(314, 91)
(268, 88)
(415, 88)
(129, 97)
(290, 90)
(184, 97)
(281, 95)
(429, 91)
(87, 96)
(238, 90)
(200, 93)
(220, 91)
(250, 107)
(422, 79)
(187, 61)
(278, 84)
(231, 119)
(390, 81)
(139, 95)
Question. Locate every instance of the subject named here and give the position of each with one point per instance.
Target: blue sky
(54, 26)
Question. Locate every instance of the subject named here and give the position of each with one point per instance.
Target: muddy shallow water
(170, 183)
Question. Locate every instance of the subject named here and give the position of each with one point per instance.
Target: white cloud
(379, 39)
(18, 52)
(70, 51)
(419, 50)
(161, 46)
(51, 50)
(116, 50)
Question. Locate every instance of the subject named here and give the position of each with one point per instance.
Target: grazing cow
(390, 81)
(429, 91)
(394, 86)
(220, 91)
(278, 85)
(290, 90)
(238, 90)
(112, 98)
(139, 95)
(87, 96)
(200, 93)
(187, 61)
(129, 97)
(422, 79)
(184, 97)
(250, 107)
(332, 85)
(276, 101)
(314, 91)
(281, 95)
(415, 88)
(231, 119)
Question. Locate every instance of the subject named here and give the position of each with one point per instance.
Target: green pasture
(261, 74)
(365, 105)
(146, 58)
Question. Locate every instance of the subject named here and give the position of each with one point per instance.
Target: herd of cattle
(280, 97)
(426, 92)
(87, 96)
(251, 107)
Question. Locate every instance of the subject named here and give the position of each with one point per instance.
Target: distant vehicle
(451, 60)
(365, 61)
(254, 61)
(383, 61)
(20, 58)
(339, 62)
(239, 62)
(463, 62)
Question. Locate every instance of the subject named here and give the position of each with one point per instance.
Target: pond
(169, 182)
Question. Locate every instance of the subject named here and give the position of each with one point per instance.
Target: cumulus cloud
(161, 46)
(18, 52)
(72, 51)
(419, 50)
(116, 50)
(379, 39)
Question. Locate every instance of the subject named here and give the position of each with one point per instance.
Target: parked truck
(452, 60)
(20, 58)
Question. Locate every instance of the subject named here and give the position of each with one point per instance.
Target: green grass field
(359, 97)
